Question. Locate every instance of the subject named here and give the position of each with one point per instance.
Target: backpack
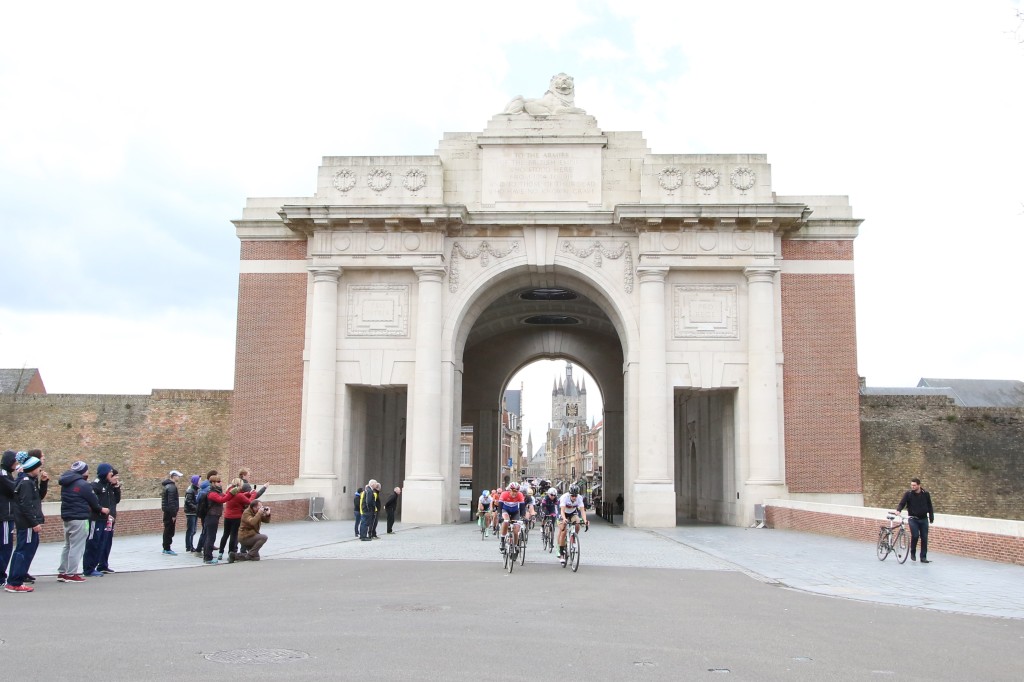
(202, 505)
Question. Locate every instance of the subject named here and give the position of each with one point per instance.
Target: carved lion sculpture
(559, 99)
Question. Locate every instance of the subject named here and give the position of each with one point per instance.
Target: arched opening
(523, 323)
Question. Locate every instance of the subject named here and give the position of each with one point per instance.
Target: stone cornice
(660, 217)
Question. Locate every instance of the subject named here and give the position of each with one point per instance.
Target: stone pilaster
(318, 453)
(762, 374)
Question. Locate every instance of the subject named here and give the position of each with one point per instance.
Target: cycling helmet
(513, 486)
(529, 491)
(574, 490)
(486, 492)
(552, 491)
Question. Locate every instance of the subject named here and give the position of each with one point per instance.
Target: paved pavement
(801, 561)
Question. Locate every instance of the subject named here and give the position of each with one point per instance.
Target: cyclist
(549, 508)
(530, 508)
(496, 509)
(483, 510)
(574, 511)
(512, 502)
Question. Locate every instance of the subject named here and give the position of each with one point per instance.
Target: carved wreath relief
(706, 179)
(483, 251)
(705, 311)
(670, 178)
(344, 180)
(742, 179)
(415, 180)
(378, 310)
(379, 179)
(599, 251)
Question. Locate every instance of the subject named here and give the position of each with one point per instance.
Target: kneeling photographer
(249, 536)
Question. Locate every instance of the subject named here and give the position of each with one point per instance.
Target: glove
(931, 518)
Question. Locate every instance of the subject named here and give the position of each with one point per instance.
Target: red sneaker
(18, 588)
(62, 577)
(76, 578)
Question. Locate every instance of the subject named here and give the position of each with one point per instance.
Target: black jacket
(190, 499)
(28, 508)
(77, 499)
(169, 499)
(109, 495)
(392, 502)
(918, 505)
(7, 486)
(368, 503)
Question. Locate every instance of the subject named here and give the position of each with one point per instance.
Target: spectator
(169, 506)
(367, 510)
(28, 520)
(190, 512)
(358, 495)
(378, 503)
(390, 506)
(249, 535)
(107, 487)
(8, 474)
(78, 504)
(202, 505)
(216, 499)
(44, 483)
(233, 510)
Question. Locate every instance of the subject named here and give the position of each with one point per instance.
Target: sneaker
(17, 588)
(62, 577)
(220, 556)
(170, 552)
(211, 562)
(94, 574)
(107, 570)
(30, 579)
(73, 578)
(231, 557)
(925, 561)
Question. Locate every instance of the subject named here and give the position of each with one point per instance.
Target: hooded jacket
(78, 501)
(169, 498)
(106, 492)
(190, 499)
(7, 463)
(28, 508)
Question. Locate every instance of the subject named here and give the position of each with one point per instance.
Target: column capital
(429, 274)
(649, 273)
(325, 273)
(761, 274)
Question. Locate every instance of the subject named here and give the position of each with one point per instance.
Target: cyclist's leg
(561, 537)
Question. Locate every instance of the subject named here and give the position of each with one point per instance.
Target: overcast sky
(132, 133)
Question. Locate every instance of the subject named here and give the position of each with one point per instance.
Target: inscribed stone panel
(705, 311)
(562, 174)
(377, 310)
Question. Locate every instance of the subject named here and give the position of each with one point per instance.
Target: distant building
(963, 392)
(25, 380)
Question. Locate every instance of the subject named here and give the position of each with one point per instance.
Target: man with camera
(249, 535)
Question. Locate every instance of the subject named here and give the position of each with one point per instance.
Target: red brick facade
(267, 407)
(819, 342)
(815, 250)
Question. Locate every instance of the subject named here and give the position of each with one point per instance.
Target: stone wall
(144, 437)
(971, 459)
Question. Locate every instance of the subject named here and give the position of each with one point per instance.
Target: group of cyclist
(517, 504)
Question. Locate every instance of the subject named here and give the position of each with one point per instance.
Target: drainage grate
(256, 656)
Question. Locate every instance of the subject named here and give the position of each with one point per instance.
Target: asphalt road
(371, 619)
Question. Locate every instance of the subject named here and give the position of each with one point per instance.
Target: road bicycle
(482, 522)
(893, 538)
(548, 534)
(514, 551)
(572, 545)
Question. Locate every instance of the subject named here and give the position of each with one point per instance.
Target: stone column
(423, 501)
(653, 498)
(762, 379)
(318, 454)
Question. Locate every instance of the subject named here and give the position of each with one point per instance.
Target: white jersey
(570, 505)
(485, 500)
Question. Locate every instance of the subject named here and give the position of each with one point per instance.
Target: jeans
(76, 532)
(231, 527)
(358, 517)
(24, 552)
(209, 535)
(365, 524)
(919, 528)
(190, 532)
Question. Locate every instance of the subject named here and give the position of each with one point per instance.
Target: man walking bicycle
(918, 504)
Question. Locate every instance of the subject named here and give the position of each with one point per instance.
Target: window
(464, 455)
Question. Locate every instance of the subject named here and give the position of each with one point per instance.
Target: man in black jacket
(78, 504)
(107, 487)
(28, 520)
(8, 463)
(169, 506)
(390, 506)
(918, 504)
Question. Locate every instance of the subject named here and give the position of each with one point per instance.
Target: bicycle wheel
(551, 538)
(574, 553)
(511, 555)
(522, 551)
(902, 546)
(883, 548)
(504, 555)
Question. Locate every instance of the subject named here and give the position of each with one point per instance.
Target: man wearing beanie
(101, 531)
(78, 503)
(28, 520)
(191, 508)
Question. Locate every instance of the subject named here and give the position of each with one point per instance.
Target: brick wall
(820, 376)
(990, 546)
(817, 250)
(146, 521)
(266, 425)
(144, 437)
(971, 459)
